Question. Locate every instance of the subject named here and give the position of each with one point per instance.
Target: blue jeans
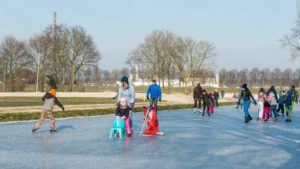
(246, 107)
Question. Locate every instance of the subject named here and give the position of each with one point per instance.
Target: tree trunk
(169, 83)
(11, 78)
(63, 82)
(72, 69)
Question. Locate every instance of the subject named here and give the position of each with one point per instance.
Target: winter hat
(125, 79)
(245, 86)
(123, 100)
(52, 92)
(154, 81)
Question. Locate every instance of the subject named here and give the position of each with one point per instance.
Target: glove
(131, 106)
(148, 98)
(159, 99)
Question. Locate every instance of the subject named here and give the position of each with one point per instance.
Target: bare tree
(40, 49)
(254, 73)
(15, 56)
(83, 51)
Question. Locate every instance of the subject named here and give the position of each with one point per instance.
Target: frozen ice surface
(191, 141)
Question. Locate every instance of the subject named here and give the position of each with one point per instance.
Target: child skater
(206, 103)
(213, 101)
(267, 107)
(281, 101)
(122, 111)
(50, 100)
(260, 104)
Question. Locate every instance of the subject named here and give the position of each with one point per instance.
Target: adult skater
(291, 99)
(246, 96)
(154, 94)
(216, 97)
(295, 96)
(127, 91)
(222, 93)
(197, 95)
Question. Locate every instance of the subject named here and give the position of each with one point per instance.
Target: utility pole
(53, 55)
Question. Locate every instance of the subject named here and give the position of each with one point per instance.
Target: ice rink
(192, 141)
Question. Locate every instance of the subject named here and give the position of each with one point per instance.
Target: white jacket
(128, 93)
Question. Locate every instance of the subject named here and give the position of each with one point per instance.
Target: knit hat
(52, 92)
(125, 79)
(244, 86)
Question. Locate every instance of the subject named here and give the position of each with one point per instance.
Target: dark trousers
(197, 100)
(281, 108)
(153, 103)
(205, 108)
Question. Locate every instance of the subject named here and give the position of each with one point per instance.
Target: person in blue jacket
(154, 94)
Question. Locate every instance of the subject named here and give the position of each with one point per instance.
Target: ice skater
(291, 99)
(207, 102)
(246, 96)
(260, 104)
(281, 101)
(127, 91)
(197, 95)
(154, 94)
(122, 111)
(240, 103)
(50, 100)
(216, 97)
(273, 99)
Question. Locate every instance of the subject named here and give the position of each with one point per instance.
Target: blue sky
(246, 32)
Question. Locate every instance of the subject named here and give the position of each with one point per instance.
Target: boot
(53, 131)
(288, 120)
(34, 130)
(250, 118)
(203, 113)
(129, 134)
(246, 119)
(195, 110)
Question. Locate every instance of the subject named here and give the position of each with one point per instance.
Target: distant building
(208, 82)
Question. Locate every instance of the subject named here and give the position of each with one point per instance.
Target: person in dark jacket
(281, 100)
(246, 96)
(222, 93)
(216, 97)
(50, 100)
(290, 100)
(154, 94)
(197, 95)
(207, 102)
(122, 111)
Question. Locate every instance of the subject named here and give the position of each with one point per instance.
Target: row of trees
(165, 55)
(260, 78)
(60, 51)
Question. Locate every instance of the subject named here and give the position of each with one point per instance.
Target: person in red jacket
(197, 95)
(152, 122)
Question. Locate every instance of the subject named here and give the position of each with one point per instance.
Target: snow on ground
(191, 141)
